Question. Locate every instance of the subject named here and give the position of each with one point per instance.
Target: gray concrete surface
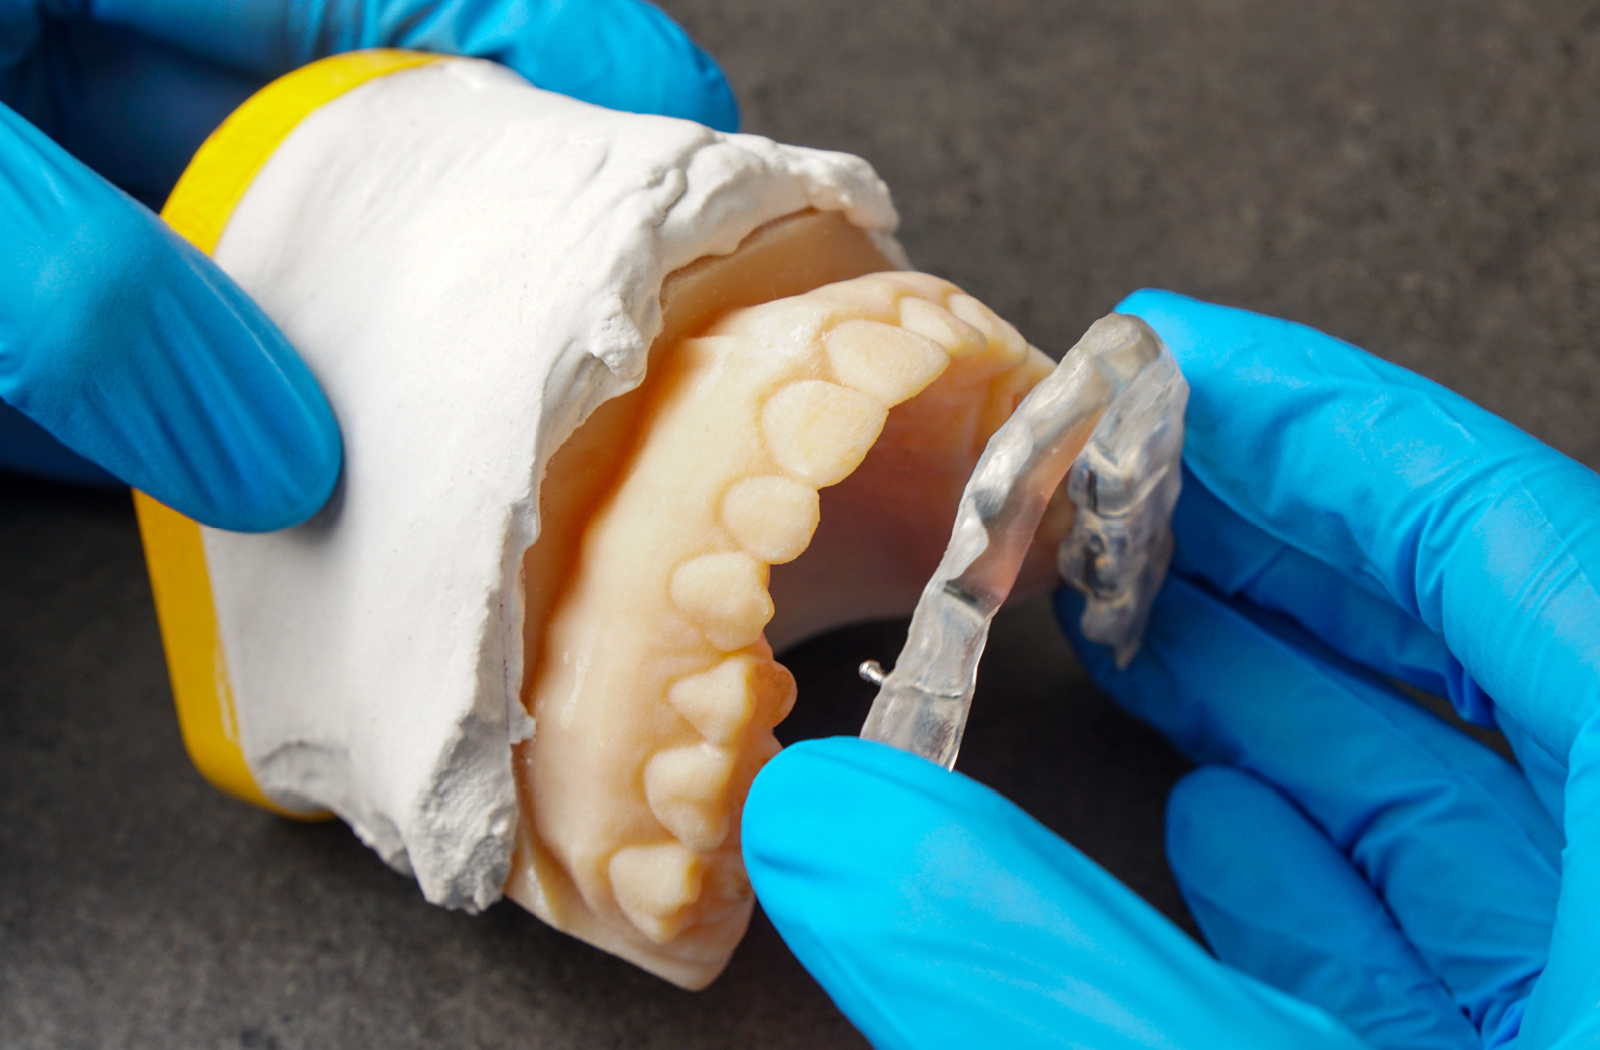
(1422, 179)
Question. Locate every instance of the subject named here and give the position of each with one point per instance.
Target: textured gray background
(1420, 178)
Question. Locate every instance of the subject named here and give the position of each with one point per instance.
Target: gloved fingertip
(280, 469)
(829, 837)
(1211, 823)
(816, 781)
(1226, 837)
(258, 447)
(140, 355)
(308, 454)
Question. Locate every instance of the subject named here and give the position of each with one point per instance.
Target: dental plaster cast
(473, 268)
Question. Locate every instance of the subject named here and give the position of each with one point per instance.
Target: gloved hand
(131, 348)
(1344, 523)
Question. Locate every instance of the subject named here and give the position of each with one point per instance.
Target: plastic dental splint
(1106, 430)
(524, 650)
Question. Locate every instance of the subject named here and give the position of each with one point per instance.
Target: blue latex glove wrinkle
(1342, 844)
(133, 350)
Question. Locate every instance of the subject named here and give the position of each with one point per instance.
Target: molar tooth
(959, 338)
(1007, 342)
(771, 517)
(685, 788)
(726, 594)
(888, 363)
(654, 885)
(821, 431)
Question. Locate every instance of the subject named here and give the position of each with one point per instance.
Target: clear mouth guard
(1107, 426)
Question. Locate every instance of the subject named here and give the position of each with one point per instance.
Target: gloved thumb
(132, 349)
(936, 913)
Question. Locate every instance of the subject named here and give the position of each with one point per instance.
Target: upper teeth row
(800, 390)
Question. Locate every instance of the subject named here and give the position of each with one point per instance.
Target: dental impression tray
(1106, 427)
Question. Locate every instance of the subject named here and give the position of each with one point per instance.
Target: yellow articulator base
(199, 209)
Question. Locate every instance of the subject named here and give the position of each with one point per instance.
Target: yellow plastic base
(199, 209)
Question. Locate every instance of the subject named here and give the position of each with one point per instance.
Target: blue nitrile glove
(1359, 853)
(134, 350)
(1340, 517)
(938, 914)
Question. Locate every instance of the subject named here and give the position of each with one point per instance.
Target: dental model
(528, 646)
(647, 738)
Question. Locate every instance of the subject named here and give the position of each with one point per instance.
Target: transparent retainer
(1107, 425)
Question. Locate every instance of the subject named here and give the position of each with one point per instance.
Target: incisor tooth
(726, 594)
(1006, 342)
(958, 338)
(684, 786)
(883, 361)
(821, 431)
(771, 517)
(654, 886)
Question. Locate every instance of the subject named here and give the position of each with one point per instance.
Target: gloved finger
(1348, 613)
(1447, 832)
(624, 54)
(936, 914)
(27, 448)
(131, 108)
(1482, 534)
(1275, 899)
(136, 352)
